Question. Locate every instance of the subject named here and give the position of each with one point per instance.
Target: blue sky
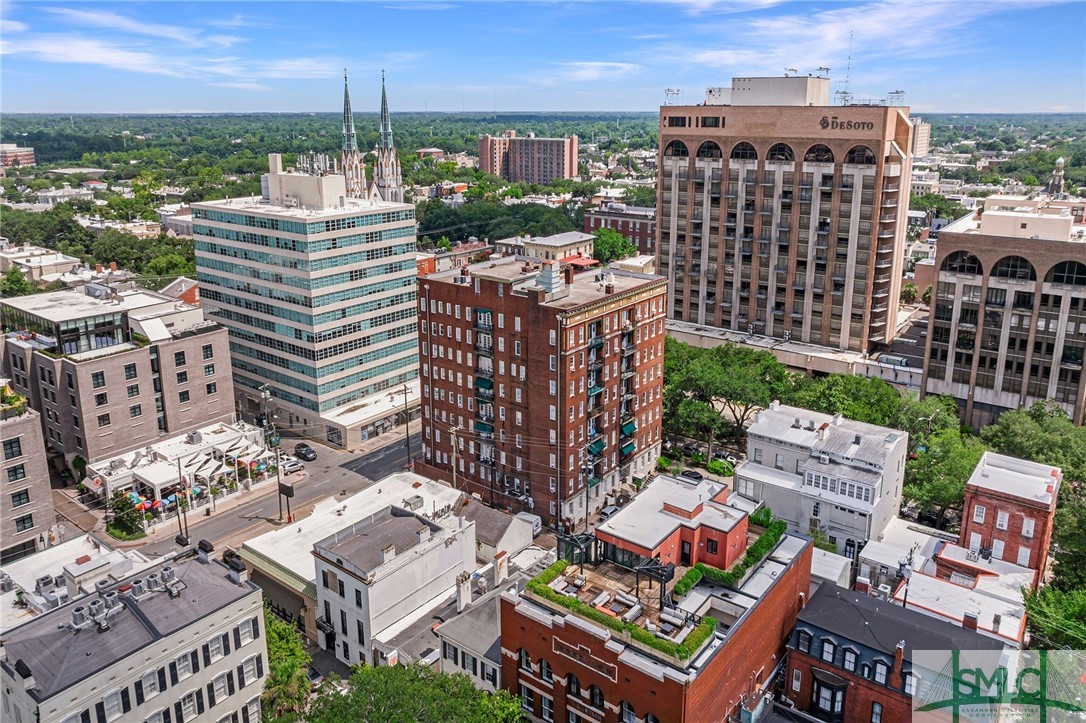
(606, 55)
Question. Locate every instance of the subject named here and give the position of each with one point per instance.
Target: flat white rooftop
(290, 548)
(258, 205)
(1029, 481)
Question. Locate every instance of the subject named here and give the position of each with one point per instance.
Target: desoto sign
(832, 123)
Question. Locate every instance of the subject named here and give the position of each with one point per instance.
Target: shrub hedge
(755, 553)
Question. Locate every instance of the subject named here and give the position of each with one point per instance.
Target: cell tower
(671, 95)
(895, 98)
(844, 95)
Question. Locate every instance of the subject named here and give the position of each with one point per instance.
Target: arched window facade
(676, 149)
(744, 152)
(545, 673)
(1072, 273)
(961, 262)
(626, 713)
(780, 152)
(1014, 267)
(573, 684)
(709, 149)
(818, 153)
(861, 155)
(595, 696)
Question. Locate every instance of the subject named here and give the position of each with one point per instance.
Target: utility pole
(407, 424)
(279, 480)
(453, 432)
(185, 492)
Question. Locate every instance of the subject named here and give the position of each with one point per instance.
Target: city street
(333, 473)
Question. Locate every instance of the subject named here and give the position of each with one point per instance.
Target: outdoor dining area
(188, 471)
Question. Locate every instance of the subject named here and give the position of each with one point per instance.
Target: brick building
(636, 223)
(26, 507)
(13, 156)
(1010, 509)
(538, 382)
(567, 666)
(1008, 321)
(527, 158)
(113, 374)
(783, 216)
(850, 656)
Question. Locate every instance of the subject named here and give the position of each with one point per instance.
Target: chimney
(422, 534)
(969, 621)
(775, 404)
(463, 590)
(275, 163)
(811, 425)
(567, 274)
(857, 439)
(897, 672)
(822, 432)
(388, 553)
(24, 672)
(239, 574)
(203, 551)
(550, 278)
(837, 420)
(797, 424)
(112, 265)
(501, 567)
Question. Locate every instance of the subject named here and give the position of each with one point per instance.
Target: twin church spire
(387, 179)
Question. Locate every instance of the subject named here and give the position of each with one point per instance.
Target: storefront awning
(484, 383)
(596, 447)
(629, 428)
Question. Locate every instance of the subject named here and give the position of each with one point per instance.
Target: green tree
(1057, 618)
(1043, 433)
(287, 689)
(126, 518)
(169, 265)
(864, 399)
(936, 477)
(822, 540)
(922, 418)
(1069, 540)
(411, 694)
(643, 196)
(611, 245)
(944, 207)
(909, 293)
(700, 420)
(444, 244)
(926, 296)
(13, 283)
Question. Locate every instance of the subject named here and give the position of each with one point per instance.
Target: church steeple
(387, 179)
(351, 157)
(386, 121)
(349, 142)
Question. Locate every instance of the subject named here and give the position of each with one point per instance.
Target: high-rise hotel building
(1008, 320)
(318, 291)
(783, 216)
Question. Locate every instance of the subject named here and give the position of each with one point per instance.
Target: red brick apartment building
(1010, 509)
(850, 659)
(527, 158)
(541, 387)
(636, 223)
(566, 667)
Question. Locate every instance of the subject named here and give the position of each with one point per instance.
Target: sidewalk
(75, 512)
(166, 528)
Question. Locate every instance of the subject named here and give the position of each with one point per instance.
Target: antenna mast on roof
(671, 95)
(844, 94)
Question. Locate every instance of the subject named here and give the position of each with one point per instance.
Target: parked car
(608, 511)
(691, 449)
(692, 474)
(315, 677)
(726, 456)
(304, 451)
(292, 465)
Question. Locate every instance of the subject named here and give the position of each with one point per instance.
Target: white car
(292, 465)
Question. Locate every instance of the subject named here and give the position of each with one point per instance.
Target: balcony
(595, 342)
(884, 263)
(890, 188)
(485, 373)
(595, 390)
(889, 203)
(485, 416)
(887, 233)
(484, 394)
(486, 349)
(888, 219)
(595, 363)
(483, 323)
(628, 348)
(1071, 361)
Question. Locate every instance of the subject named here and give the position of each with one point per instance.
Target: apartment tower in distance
(318, 292)
(527, 158)
(541, 387)
(1008, 320)
(782, 216)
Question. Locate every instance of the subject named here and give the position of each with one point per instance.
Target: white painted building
(183, 641)
(825, 472)
(376, 573)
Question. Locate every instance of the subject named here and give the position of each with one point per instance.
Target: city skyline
(538, 56)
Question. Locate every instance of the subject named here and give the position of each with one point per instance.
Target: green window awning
(484, 383)
(629, 428)
(484, 427)
(596, 447)
(629, 447)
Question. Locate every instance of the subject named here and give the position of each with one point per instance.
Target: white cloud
(597, 70)
(241, 85)
(295, 68)
(122, 23)
(85, 51)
